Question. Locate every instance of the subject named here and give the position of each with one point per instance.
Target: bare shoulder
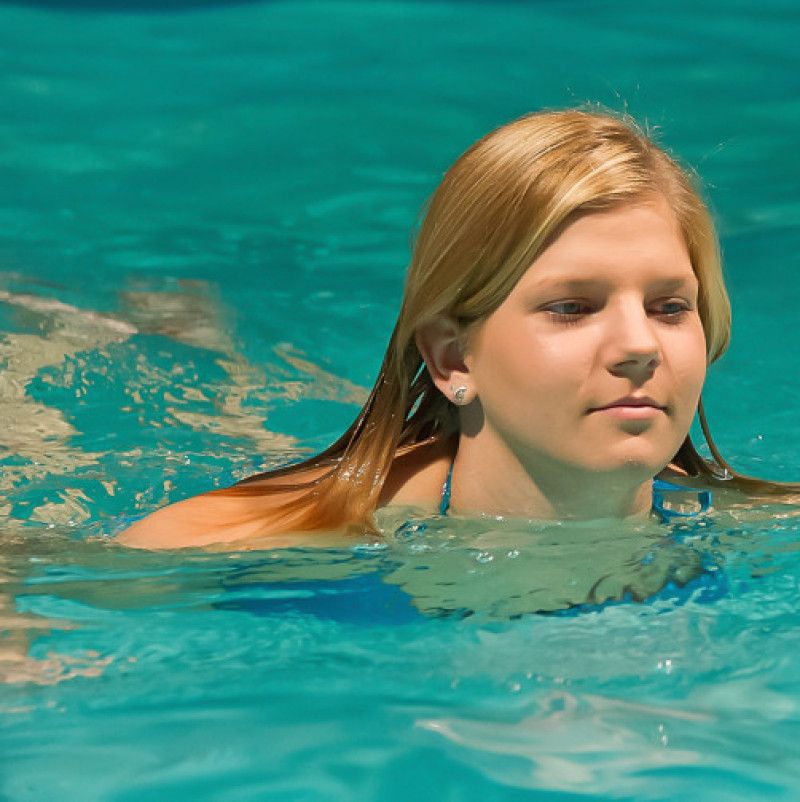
(417, 475)
(197, 521)
(677, 476)
(216, 518)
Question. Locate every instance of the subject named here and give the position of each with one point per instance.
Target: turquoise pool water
(204, 221)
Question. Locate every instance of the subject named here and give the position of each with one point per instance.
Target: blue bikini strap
(444, 503)
(660, 487)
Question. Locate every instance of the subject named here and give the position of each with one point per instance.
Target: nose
(634, 347)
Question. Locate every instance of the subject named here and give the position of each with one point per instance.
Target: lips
(631, 401)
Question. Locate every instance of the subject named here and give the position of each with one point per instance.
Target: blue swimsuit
(659, 488)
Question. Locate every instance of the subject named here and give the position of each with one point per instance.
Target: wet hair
(495, 210)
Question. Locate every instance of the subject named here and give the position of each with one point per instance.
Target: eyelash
(574, 318)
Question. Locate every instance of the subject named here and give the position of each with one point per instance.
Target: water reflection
(64, 348)
(54, 355)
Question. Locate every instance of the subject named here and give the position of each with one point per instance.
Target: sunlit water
(204, 221)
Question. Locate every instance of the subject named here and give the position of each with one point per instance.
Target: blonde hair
(494, 211)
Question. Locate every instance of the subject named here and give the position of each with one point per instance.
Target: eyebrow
(578, 284)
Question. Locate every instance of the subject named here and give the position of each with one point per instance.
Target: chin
(639, 466)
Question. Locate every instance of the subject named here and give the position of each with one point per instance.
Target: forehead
(633, 243)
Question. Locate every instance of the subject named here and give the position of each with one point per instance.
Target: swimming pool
(205, 222)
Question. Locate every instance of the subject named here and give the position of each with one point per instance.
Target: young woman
(564, 299)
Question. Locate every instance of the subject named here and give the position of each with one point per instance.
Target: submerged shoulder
(739, 493)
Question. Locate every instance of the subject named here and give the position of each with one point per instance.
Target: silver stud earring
(459, 393)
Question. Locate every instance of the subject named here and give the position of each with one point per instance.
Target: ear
(439, 342)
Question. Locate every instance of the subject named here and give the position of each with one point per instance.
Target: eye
(673, 309)
(568, 311)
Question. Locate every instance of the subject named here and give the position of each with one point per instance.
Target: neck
(500, 481)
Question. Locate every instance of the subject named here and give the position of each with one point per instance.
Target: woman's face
(597, 357)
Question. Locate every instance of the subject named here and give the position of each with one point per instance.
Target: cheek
(688, 372)
(692, 362)
(525, 368)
